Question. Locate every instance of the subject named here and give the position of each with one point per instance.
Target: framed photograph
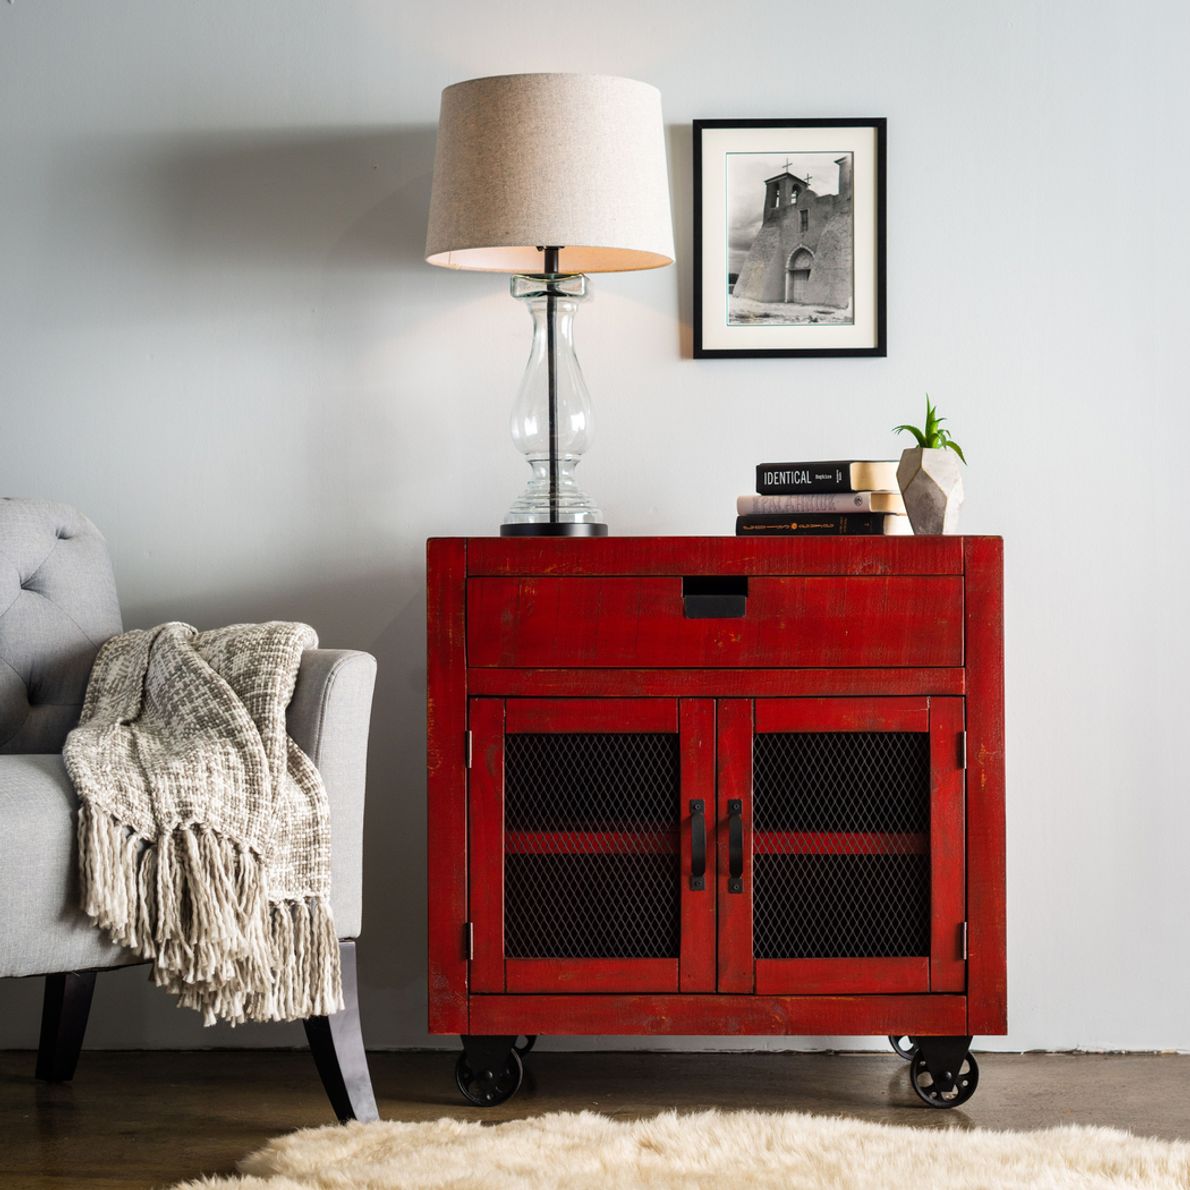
(789, 232)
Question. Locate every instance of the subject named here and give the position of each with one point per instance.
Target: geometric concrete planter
(932, 486)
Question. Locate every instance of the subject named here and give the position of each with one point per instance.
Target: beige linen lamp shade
(526, 161)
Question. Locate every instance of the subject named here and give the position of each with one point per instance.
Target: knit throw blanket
(204, 830)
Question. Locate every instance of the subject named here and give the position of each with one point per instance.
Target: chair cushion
(57, 606)
(41, 927)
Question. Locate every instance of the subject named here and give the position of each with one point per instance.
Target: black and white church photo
(789, 237)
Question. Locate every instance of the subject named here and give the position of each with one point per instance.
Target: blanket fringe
(195, 903)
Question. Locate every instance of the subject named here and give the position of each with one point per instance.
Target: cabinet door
(843, 819)
(589, 823)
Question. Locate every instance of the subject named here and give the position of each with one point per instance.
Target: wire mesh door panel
(578, 806)
(856, 845)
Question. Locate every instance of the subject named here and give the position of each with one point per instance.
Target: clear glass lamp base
(551, 421)
(570, 514)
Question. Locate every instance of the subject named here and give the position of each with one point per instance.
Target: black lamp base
(555, 529)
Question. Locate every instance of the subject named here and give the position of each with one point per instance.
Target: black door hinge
(468, 940)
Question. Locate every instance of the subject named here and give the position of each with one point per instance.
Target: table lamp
(550, 177)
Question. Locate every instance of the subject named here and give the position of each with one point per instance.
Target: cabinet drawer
(900, 620)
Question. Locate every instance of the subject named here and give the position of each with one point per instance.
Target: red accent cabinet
(716, 786)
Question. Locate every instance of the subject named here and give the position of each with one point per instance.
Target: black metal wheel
(950, 1088)
(486, 1088)
(903, 1046)
(530, 1042)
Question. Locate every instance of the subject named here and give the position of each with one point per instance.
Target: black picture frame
(713, 239)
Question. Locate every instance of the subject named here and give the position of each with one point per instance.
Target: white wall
(218, 338)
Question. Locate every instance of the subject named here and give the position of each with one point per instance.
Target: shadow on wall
(215, 250)
(274, 198)
(171, 223)
(352, 204)
(679, 140)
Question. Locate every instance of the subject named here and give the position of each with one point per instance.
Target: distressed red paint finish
(792, 621)
(592, 636)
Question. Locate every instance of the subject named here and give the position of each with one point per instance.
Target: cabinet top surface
(479, 556)
(868, 541)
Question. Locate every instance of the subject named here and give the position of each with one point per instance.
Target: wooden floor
(149, 1119)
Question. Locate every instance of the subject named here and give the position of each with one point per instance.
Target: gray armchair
(57, 606)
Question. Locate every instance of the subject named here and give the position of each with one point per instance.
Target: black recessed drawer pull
(714, 596)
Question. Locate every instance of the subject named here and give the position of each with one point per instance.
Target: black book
(846, 475)
(822, 524)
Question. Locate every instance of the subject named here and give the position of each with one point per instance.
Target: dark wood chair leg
(338, 1048)
(64, 1014)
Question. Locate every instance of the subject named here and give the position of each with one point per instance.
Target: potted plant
(929, 476)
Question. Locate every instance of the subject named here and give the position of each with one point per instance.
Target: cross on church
(788, 163)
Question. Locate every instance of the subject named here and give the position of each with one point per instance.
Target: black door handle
(698, 845)
(735, 846)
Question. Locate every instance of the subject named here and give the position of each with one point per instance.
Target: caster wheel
(486, 1088)
(530, 1042)
(945, 1092)
(903, 1047)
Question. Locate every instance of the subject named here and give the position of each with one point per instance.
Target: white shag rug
(704, 1151)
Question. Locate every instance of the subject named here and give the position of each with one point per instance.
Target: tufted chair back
(57, 606)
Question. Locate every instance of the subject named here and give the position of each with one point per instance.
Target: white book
(822, 502)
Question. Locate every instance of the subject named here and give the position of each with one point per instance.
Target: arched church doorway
(797, 275)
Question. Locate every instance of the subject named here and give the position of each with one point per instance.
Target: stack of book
(848, 497)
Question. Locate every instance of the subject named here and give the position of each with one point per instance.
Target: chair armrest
(328, 719)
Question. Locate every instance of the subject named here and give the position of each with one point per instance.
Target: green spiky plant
(932, 436)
